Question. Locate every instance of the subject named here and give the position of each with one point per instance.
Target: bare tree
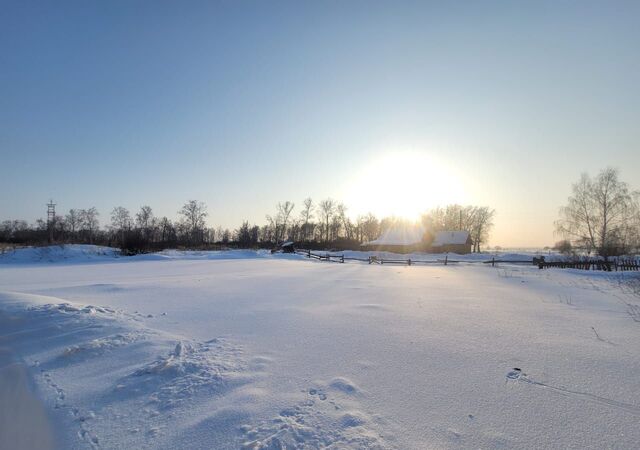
(284, 211)
(73, 221)
(335, 227)
(370, 227)
(598, 214)
(278, 223)
(218, 234)
(270, 232)
(341, 212)
(120, 218)
(477, 220)
(144, 217)
(167, 230)
(120, 222)
(482, 222)
(450, 218)
(327, 208)
(306, 215)
(634, 224)
(266, 234)
(146, 222)
(194, 215)
(89, 222)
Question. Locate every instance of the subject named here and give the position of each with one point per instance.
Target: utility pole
(51, 219)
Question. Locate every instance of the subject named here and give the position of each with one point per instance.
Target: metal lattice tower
(51, 213)
(51, 219)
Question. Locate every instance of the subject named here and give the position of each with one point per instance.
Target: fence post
(493, 261)
(308, 253)
(342, 259)
(446, 257)
(409, 261)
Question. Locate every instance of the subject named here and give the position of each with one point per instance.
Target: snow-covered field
(250, 350)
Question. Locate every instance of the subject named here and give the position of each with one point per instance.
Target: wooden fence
(406, 262)
(325, 257)
(618, 264)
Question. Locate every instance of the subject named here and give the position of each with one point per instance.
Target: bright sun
(403, 185)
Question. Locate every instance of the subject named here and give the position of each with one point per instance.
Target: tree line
(324, 224)
(601, 217)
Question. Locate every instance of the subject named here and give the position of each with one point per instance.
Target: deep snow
(246, 349)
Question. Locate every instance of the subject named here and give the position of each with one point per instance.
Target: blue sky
(244, 104)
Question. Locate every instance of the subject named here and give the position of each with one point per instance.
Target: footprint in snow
(321, 395)
(318, 421)
(345, 385)
(515, 374)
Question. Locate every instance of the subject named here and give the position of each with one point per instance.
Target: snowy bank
(92, 254)
(265, 351)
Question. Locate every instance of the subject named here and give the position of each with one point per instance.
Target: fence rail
(326, 257)
(617, 264)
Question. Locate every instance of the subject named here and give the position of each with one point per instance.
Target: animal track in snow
(345, 385)
(326, 418)
(634, 311)
(517, 375)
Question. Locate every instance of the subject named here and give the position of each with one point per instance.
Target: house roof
(450, 238)
(400, 235)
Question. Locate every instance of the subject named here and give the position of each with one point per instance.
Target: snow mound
(103, 344)
(91, 254)
(70, 254)
(207, 254)
(96, 365)
(189, 369)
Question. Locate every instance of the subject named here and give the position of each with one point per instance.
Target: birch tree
(599, 214)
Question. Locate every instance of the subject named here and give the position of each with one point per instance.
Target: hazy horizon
(391, 108)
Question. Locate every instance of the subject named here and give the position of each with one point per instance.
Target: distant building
(452, 241)
(285, 247)
(408, 239)
(398, 239)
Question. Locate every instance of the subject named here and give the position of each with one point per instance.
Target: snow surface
(248, 350)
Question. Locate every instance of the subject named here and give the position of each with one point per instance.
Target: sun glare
(404, 185)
